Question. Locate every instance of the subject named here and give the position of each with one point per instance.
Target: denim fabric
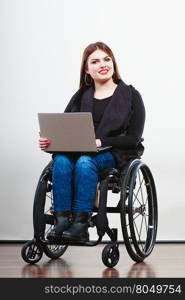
(75, 180)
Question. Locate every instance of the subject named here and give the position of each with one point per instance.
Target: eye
(93, 62)
(107, 59)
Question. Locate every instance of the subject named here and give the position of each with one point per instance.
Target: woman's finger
(43, 147)
(44, 140)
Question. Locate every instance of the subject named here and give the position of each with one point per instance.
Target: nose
(102, 64)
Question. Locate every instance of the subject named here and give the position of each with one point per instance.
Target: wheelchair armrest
(108, 171)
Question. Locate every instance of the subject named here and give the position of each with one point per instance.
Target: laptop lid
(70, 132)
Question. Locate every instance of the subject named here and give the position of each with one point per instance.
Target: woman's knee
(62, 161)
(105, 160)
(84, 162)
(86, 174)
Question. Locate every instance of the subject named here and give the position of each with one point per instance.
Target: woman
(118, 115)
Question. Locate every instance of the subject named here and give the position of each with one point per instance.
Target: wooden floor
(166, 260)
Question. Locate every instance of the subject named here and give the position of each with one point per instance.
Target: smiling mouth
(103, 72)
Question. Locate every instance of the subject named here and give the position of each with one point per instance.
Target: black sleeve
(135, 129)
(72, 101)
(69, 105)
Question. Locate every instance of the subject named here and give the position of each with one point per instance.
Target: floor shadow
(53, 268)
(110, 273)
(141, 270)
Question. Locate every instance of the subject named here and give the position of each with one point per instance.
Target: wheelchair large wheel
(43, 218)
(138, 210)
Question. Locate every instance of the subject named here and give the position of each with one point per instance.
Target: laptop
(69, 132)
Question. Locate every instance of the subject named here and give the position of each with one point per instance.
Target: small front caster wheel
(110, 255)
(31, 252)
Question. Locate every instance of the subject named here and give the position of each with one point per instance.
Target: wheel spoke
(141, 191)
(138, 189)
(141, 225)
(136, 216)
(138, 233)
(48, 230)
(136, 198)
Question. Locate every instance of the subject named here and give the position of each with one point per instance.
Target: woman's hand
(43, 143)
(98, 142)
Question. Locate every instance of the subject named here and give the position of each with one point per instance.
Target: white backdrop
(41, 45)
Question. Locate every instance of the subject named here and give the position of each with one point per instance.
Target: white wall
(41, 44)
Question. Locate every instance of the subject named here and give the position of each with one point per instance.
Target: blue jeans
(75, 180)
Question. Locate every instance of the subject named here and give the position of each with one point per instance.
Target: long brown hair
(88, 50)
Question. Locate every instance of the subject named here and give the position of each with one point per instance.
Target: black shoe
(62, 222)
(78, 231)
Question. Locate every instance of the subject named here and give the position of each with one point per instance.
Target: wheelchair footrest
(72, 243)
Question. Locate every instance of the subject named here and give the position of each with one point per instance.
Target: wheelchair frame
(133, 181)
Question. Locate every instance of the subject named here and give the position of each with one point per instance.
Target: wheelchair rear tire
(139, 213)
(54, 251)
(42, 214)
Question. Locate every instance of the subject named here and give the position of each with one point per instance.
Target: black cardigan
(122, 123)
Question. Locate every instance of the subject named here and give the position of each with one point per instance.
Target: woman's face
(100, 66)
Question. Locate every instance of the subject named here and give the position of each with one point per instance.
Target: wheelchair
(136, 205)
